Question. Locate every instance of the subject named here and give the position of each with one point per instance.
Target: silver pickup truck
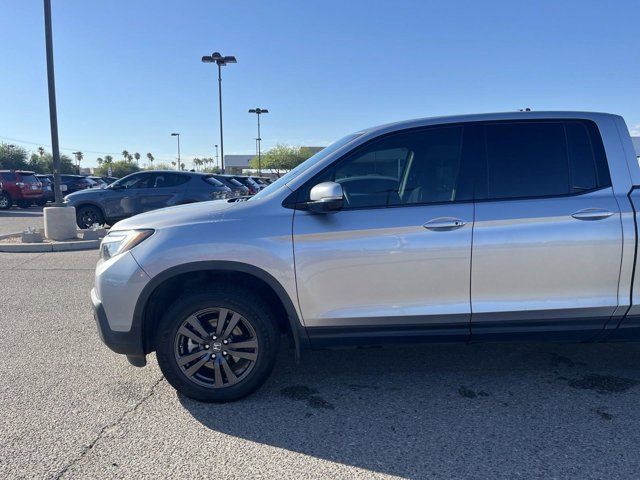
(496, 227)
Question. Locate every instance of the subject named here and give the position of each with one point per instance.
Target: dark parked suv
(248, 182)
(74, 183)
(19, 187)
(142, 192)
(238, 189)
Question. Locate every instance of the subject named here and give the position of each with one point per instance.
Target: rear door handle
(592, 214)
(444, 223)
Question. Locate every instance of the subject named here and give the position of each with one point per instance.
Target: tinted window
(29, 178)
(421, 166)
(526, 160)
(233, 182)
(535, 159)
(8, 176)
(164, 180)
(213, 181)
(133, 181)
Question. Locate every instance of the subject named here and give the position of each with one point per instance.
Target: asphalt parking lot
(72, 409)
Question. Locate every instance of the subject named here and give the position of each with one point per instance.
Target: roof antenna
(525, 109)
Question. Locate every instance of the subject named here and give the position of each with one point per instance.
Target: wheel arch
(166, 286)
(90, 203)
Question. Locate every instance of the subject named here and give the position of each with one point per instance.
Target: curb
(47, 247)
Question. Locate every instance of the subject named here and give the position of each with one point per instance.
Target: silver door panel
(533, 260)
(361, 267)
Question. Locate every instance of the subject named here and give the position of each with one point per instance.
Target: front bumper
(126, 343)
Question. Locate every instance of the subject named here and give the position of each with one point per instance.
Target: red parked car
(19, 187)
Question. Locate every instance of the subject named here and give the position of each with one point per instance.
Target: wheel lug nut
(213, 355)
(225, 341)
(214, 337)
(207, 347)
(224, 353)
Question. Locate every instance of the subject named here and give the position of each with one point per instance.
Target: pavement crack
(107, 428)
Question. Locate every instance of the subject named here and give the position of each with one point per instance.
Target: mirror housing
(326, 197)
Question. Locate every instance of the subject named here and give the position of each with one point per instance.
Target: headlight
(122, 241)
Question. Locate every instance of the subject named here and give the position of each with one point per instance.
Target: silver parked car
(470, 228)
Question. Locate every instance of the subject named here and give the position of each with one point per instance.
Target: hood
(86, 193)
(179, 215)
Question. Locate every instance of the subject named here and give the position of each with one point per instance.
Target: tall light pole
(178, 135)
(216, 154)
(259, 111)
(53, 113)
(221, 61)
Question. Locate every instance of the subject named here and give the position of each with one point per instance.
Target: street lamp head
(175, 134)
(215, 57)
(258, 110)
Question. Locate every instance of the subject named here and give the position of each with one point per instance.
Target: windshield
(310, 162)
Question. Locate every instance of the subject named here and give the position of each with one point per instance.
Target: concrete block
(31, 236)
(60, 223)
(94, 233)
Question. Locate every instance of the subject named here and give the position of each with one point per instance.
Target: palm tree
(79, 157)
(173, 163)
(41, 152)
(150, 158)
(100, 161)
(196, 163)
(125, 155)
(108, 159)
(137, 157)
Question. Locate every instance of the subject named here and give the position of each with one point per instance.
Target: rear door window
(166, 180)
(8, 176)
(542, 159)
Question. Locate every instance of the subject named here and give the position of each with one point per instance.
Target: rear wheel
(88, 215)
(24, 203)
(41, 202)
(5, 201)
(217, 345)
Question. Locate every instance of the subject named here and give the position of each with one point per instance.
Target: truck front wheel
(217, 344)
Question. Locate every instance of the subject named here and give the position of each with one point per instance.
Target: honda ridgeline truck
(496, 227)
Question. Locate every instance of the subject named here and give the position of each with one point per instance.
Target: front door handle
(444, 223)
(592, 214)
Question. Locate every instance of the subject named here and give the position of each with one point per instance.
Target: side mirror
(116, 187)
(326, 197)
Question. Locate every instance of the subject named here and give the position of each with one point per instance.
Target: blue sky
(128, 72)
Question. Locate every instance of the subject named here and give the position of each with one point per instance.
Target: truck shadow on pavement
(448, 410)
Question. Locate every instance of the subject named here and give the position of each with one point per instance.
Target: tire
(88, 215)
(5, 201)
(207, 382)
(41, 202)
(24, 203)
